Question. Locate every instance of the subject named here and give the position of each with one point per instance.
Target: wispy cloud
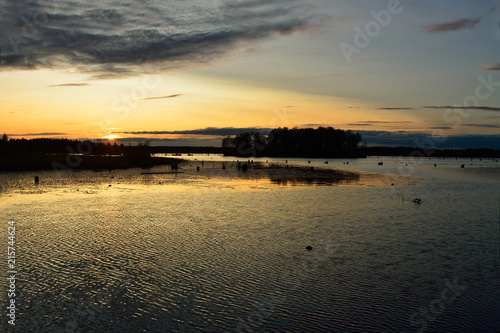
(492, 67)
(395, 109)
(39, 134)
(215, 131)
(137, 36)
(483, 125)
(388, 122)
(161, 97)
(70, 85)
(379, 122)
(481, 108)
(358, 124)
(459, 24)
(441, 127)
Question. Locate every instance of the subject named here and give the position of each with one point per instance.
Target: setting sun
(110, 137)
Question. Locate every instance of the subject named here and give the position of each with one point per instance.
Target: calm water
(208, 253)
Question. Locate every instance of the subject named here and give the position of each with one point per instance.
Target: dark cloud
(482, 108)
(493, 67)
(388, 122)
(359, 124)
(482, 125)
(395, 109)
(314, 125)
(161, 97)
(215, 131)
(442, 127)
(138, 36)
(39, 134)
(70, 85)
(458, 24)
(376, 122)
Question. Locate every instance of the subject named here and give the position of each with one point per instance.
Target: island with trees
(324, 142)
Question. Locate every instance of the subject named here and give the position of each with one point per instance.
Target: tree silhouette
(295, 142)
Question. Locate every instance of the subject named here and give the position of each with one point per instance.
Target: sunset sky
(190, 72)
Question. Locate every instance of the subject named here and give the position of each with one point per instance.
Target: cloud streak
(214, 131)
(161, 97)
(40, 134)
(493, 67)
(459, 24)
(480, 108)
(483, 125)
(70, 85)
(377, 122)
(141, 35)
(395, 109)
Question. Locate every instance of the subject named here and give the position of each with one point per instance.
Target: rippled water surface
(123, 252)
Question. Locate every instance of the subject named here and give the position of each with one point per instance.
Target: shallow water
(190, 253)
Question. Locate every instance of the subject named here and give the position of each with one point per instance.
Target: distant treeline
(59, 146)
(426, 152)
(295, 142)
(64, 154)
(186, 150)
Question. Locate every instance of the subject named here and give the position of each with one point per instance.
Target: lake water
(204, 252)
